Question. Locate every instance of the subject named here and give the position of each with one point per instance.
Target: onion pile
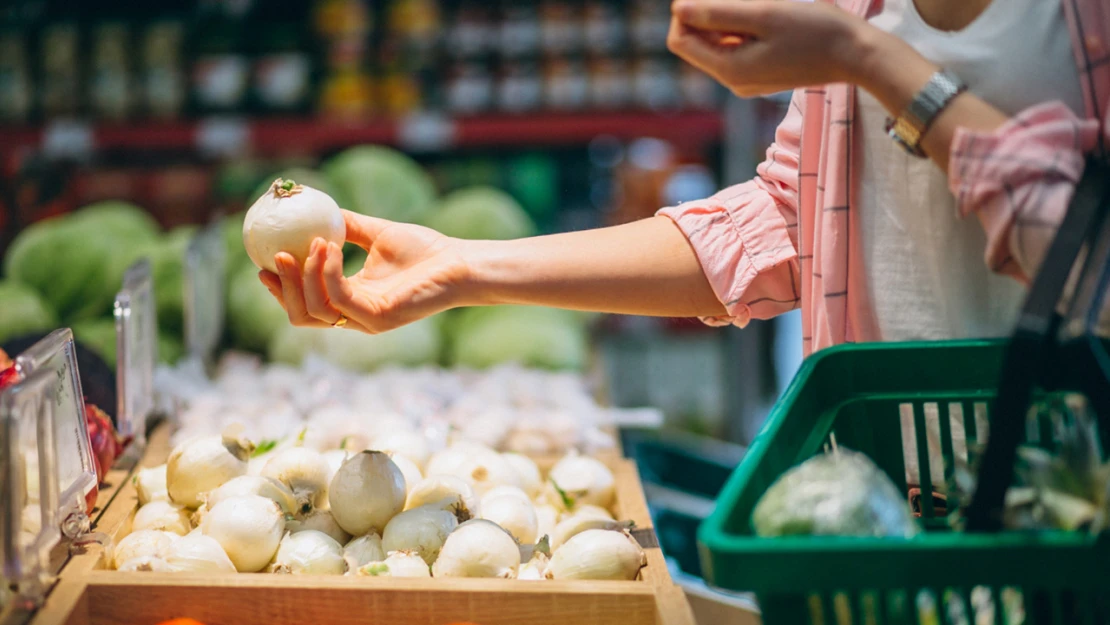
(407, 413)
(477, 513)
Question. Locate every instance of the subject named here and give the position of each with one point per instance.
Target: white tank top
(925, 269)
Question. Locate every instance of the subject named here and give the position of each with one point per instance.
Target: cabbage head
(99, 335)
(23, 311)
(381, 182)
(415, 344)
(235, 253)
(76, 262)
(531, 336)
(483, 213)
(254, 317)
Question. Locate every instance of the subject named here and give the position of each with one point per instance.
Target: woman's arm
(645, 267)
(894, 73)
(1017, 175)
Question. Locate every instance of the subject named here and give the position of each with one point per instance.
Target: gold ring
(339, 323)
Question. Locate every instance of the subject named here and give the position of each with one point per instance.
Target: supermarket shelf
(226, 136)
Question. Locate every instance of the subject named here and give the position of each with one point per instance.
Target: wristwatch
(908, 129)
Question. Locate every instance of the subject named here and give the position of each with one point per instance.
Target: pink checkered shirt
(785, 239)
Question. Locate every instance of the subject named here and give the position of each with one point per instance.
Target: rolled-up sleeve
(745, 236)
(1019, 180)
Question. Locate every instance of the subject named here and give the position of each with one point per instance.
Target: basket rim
(712, 533)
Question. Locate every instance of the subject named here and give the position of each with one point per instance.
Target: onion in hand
(287, 219)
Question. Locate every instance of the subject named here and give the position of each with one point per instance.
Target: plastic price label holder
(28, 486)
(75, 468)
(137, 349)
(204, 294)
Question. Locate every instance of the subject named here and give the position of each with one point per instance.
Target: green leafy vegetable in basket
(1063, 489)
(839, 493)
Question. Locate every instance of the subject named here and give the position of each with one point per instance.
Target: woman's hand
(759, 47)
(411, 272)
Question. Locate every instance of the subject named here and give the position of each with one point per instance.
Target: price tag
(425, 132)
(137, 351)
(204, 293)
(67, 139)
(76, 471)
(28, 486)
(222, 136)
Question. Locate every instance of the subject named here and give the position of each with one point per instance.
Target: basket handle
(1033, 344)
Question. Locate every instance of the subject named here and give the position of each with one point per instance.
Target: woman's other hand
(760, 47)
(410, 272)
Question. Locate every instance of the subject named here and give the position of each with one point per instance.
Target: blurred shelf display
(125, 61)
(226, 135)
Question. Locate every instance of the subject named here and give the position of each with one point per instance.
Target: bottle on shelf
(163, 83)
(16, 89)
(221, 66)
(61, 78)
(111, 86)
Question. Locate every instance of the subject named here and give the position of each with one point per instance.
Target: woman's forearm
(893, 72)
(643, 268)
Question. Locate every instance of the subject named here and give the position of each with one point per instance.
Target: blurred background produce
(127, 125)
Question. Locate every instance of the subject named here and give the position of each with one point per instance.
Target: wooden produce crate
(90, 594)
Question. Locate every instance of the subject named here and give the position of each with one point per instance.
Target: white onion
(598, 554)
(304, 471)
(439, 487)
(478, 548)
(201, 465)
(335, 459)
(362, 551)
(531, 480)
(145, 564)
(409, 470)
(367, 491)
(309, 553)
(162, 515)
(587, 510)
(503, 491)
(535, 569)
(320, 520)
(405, 443)
(513, 513)
(150, 484)
(421, 530)
(141, 543)
(446, 461)
(583, 479)
(287, 218)
(547, 517)
(398, 564)
(571, 526)
(248, 528)
(197, 553)
(479, 466)
(253, 485)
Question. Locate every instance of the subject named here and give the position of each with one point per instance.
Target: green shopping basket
(945, 397)
(858, 394)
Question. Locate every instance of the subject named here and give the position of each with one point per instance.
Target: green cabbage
(548, 338)
(254, 317)
(235, 252)
(415, 344)
(840, 493)
(481, 213)
(99, 335)
(170, 348)
(122, 219)
(23, 311)
(381, 182)
(76, 262)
